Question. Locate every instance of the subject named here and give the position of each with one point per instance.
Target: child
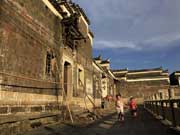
(120, 107)
(133, 107)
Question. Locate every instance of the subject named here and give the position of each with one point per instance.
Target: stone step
(15, 124)
(76, 109)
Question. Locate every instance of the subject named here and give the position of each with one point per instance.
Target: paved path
(145, 124)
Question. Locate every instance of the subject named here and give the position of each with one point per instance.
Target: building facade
(46, 60)
(76, 54)
(108, 81)
(29, 50)
(97, 83)
(141, 83)
(45, 55)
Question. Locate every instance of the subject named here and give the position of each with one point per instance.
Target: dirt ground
(145, 124)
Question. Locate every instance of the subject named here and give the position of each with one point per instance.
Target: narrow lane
(145, 124)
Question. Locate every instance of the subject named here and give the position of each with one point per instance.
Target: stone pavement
(145, 124)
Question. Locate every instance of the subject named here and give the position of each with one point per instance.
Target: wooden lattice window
(80, 77)
(49, 58)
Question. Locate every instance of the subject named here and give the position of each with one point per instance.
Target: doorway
(67, 79)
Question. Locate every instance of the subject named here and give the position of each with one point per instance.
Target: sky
(136, 34)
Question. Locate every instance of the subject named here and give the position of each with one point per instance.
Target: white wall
(104, 87)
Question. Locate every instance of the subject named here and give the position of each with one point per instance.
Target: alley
(145, 124)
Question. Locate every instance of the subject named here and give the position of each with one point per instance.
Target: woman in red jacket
(133, 107)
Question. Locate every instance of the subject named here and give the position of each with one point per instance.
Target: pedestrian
(133, 107)
(103, 103)
(120, 107)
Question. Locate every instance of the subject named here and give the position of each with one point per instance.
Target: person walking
(120, 107)
(133, 107)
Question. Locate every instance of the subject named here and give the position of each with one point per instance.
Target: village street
(68, 66)
(145, 124)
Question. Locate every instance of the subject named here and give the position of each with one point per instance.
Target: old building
(141, 83)
(45, 56)
(46, 63)
(76, 53)
(108, 81)
(29, 47)
(175, 84)
(175, 78)
(97, 84)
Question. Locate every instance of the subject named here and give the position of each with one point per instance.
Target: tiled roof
(120, 70)
(147, 77)
(98, 58)
(177, 71)
(69, 4)
(139, 74)
(165, 71)
(98, 65)
(105, 61)
(120, 75)
(145, 70)
(77, 7)
(91, 33)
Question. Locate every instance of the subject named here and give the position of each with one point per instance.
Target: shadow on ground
(144, 124)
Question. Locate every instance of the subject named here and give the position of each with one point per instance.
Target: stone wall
(29, 33)
(140, 90)
(97, 84)
(25, 37)
(175, 91)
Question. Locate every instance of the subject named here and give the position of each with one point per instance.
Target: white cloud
(134, 24)
(101, 44)
(152, 26)
(132, 20)
(162, 41)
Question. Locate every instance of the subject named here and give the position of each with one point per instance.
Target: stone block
(36, 109)
(18, 109)
(3, 110)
